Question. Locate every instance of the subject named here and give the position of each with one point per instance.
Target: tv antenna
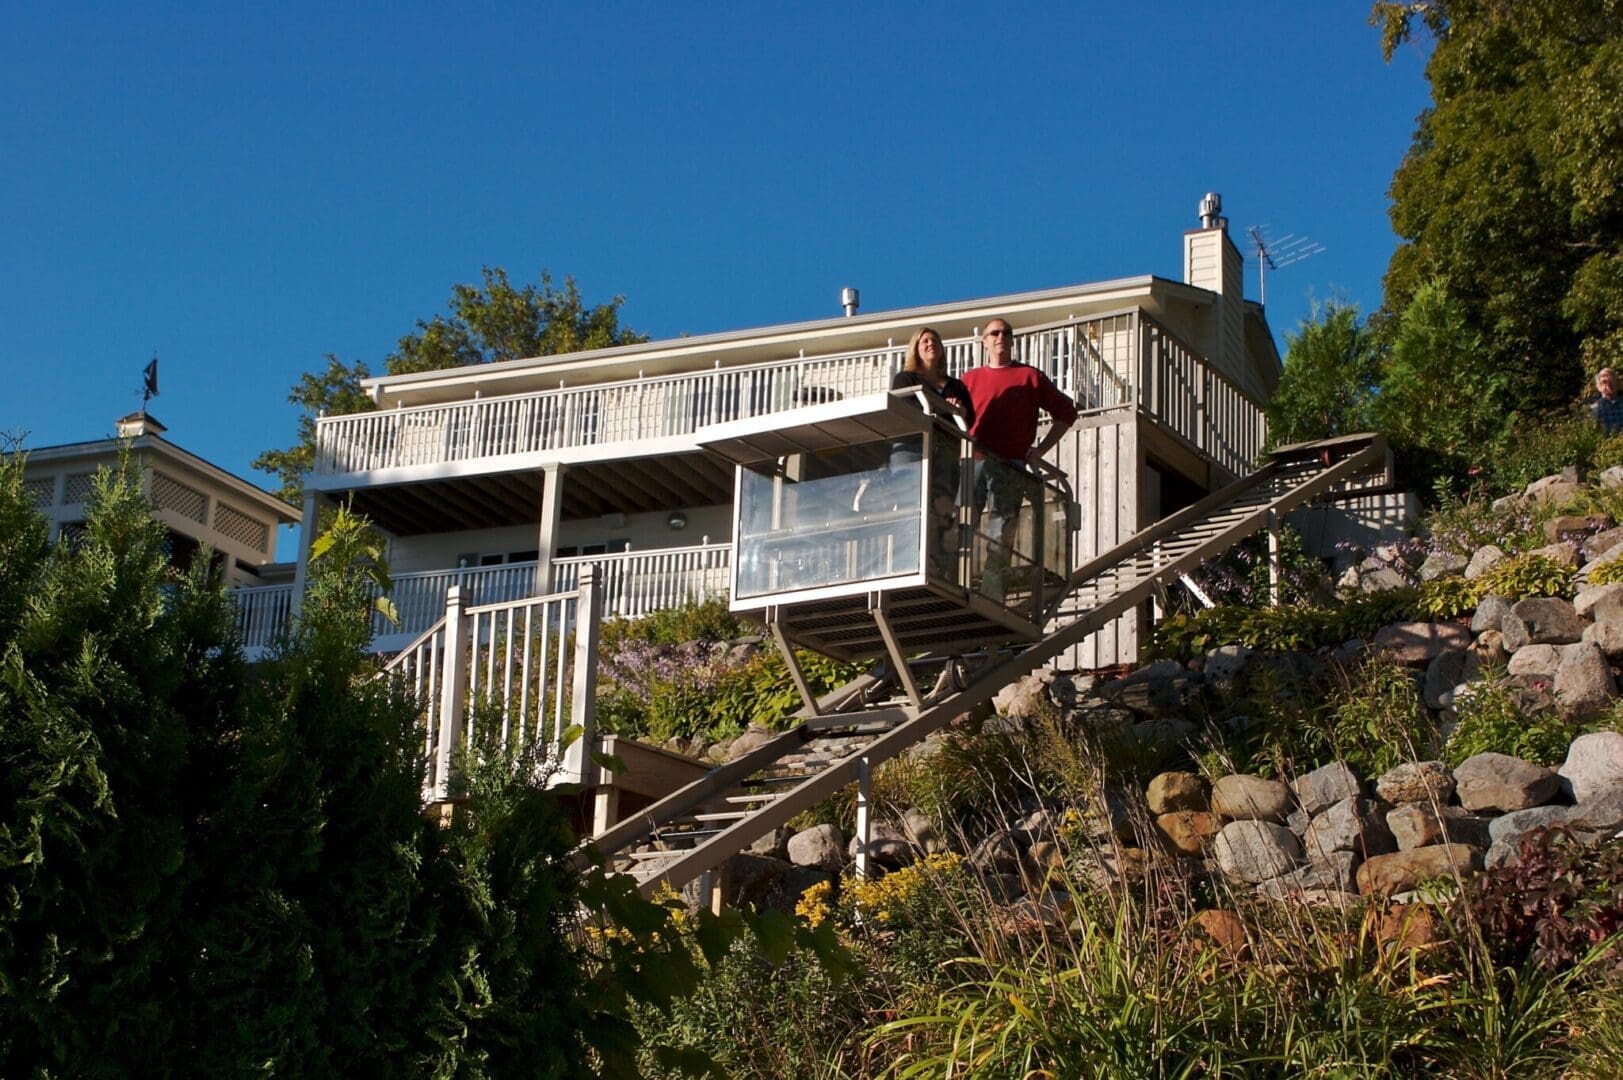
(1277, 254)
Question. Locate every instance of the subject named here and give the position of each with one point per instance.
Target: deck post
(309, 528)
(577, 758)
(546, 541)
(1273, 558)
(864, 814)
(453, 689)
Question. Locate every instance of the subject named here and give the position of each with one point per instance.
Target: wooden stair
(847, 734)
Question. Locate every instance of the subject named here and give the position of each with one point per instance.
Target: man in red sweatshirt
(1008, 397)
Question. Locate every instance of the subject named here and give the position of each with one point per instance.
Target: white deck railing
(511, 675)
(633, 583)
(1102, 363)
(262, 612)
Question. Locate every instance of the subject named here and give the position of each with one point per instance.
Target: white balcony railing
(262, 612)
(515, 674)
(632, 583)
(1102, 363)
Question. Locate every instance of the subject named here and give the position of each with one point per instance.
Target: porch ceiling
(491, 500)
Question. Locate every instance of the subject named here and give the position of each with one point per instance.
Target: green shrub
(1490, 719)
(1521, 576)
(1281, 628)
(1536, 446)
(1609, 572)
(1446, 598)
(1459, 525)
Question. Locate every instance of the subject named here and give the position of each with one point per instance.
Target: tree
(485, 324)
(1443, 402)
(1327, 389)
(1509, 198)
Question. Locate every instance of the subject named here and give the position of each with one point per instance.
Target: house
(200, 504)
(506, 478)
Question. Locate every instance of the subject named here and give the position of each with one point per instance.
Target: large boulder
(1560, 488)
(1599, 816)
(752, 739)
(1418, 825)
(1448, 669)
(745, 879)
(1594, 766)
(1162, 689)
(1332, 873)
(1255, 851)
(1584, 687)
(821, 846)
(1534, 660)
(1576, 527)
(1188, 832)
(1490, 612)
(1602, 544)
(887, 845)
(1355, 825)
(918, 828)
(1485, 558)
(1441, 564)
(1401, 871)
(1503, 783)
(999, 853)
(1564, 554)
(1510, 828)
(1598, 601)
(1170, 792)
(1416, 781)
(1541, 620)
(1416, 644)
(1243, 797)
(1325, 786)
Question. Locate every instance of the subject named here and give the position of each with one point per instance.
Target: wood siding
(1103, 460)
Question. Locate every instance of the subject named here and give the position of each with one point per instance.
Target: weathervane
(149, 382)
(1277, 254)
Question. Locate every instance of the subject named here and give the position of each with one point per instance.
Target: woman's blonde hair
(912, 363)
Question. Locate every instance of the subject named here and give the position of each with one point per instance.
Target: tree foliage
(485, 323)
(212, 870)
(1443, 401)
(1328, 387)
(203, 871)
(1509, 200)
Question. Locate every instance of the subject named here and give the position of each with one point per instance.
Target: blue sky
(243, 189)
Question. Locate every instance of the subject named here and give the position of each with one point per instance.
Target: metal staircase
(844, 736)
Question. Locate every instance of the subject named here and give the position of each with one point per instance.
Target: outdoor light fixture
(677, 520)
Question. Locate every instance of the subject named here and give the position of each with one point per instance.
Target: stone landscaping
(1328, 835)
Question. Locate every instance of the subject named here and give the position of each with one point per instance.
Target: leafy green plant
(1280, 628)
(1521, 576)
(1446, 597)
(1609, 572)
(1541, 445)
(1376, 719)
(1490, 718)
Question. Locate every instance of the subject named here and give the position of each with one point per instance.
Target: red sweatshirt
(1006, 401)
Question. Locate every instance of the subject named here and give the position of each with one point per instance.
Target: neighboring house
(200, 504)
(505, 478)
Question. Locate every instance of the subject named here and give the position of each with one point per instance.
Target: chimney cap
(849, 300)
(1211, 207)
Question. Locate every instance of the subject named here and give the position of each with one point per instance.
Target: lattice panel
(229, 521)
(170, 494)
(78, 488)
(41, 491)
